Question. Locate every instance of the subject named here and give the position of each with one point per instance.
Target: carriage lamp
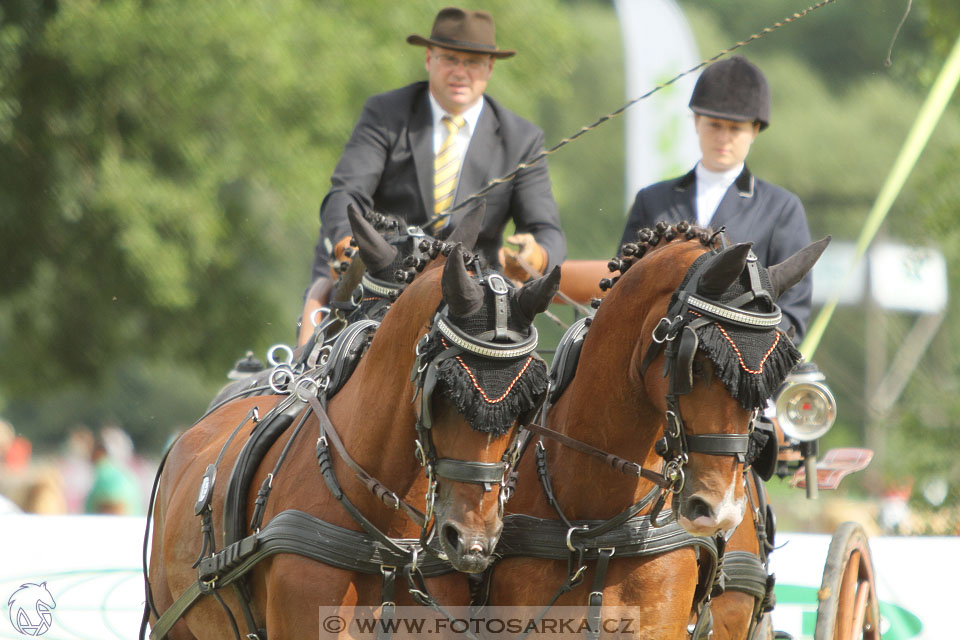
(805, 406)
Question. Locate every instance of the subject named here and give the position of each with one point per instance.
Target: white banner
(89, 568)
(660, 139)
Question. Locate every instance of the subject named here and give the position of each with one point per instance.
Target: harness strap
(719, 444)
(528, 536)
(595, 599)
(472, 472)
(176, 611)
(376, 487)
(619, 464)
(703, 629)
(581, 532)
(229, 613)
(299, 533)
(421, 595)
(264, 493)
(388, 606)
(745, 573)
(242, 589)
(203, 506)
(326, 470)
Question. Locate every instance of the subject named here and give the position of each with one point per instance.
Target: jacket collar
(744, 182)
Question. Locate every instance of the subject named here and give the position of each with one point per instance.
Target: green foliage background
(163, 164)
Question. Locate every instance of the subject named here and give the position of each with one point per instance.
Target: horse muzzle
(699, 515)
(468, 551)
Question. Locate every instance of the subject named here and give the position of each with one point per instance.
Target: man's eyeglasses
(470, 64)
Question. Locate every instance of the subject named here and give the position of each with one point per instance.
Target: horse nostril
(698, 508)
(452, 537)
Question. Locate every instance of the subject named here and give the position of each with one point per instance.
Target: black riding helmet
(733, 89)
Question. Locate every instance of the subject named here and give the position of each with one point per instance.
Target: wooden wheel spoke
(848, 607)
(861, 603)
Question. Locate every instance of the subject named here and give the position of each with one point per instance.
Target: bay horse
(370, 511)
(678, 357)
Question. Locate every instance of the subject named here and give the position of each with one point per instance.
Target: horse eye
(698, 369)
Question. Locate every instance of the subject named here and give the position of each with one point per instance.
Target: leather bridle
(499, 343)
(677, 336)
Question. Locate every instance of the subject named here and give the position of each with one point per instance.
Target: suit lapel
(734, 201)
(420, 132)
(684, 199)
(476, 163)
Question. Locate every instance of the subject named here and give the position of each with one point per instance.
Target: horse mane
(407, 265)
(647, 240)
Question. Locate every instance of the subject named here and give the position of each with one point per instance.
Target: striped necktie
(446, 166)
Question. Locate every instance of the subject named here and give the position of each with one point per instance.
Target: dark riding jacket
(387, 166)
(751, 210)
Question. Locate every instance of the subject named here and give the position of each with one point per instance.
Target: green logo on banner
(896, 623)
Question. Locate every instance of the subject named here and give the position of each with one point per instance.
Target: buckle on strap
(665, 329)
(497, 284)
(570, 533)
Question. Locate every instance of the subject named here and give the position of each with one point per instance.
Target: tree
(164, 164)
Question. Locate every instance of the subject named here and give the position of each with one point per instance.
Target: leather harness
(292, 531)
(628, 534)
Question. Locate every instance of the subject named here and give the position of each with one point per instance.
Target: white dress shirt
(471, 115)
(711, 186)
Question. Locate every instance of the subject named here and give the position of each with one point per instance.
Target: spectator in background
(15, 450)
(76, 467)
(115, 488)
(45, 493)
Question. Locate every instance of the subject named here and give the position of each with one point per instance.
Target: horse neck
(607, 404)
(373, 413)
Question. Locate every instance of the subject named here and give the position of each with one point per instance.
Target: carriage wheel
(848, 608)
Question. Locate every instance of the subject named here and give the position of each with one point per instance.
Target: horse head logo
(30, 607)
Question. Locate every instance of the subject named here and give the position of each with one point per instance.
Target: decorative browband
(485, 348)
(378, 286)
(739, 316)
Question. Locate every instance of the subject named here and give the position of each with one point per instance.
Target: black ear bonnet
(751, 362)
(491, 393)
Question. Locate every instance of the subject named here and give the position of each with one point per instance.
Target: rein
(622, 465)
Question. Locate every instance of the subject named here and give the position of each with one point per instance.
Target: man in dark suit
(731, 105)
(418, 152)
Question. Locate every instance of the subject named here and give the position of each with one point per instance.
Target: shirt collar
(706, 177)
(471, 115)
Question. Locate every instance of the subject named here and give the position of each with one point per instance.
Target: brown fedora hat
(461, 30)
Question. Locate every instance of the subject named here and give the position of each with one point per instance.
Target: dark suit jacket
(751, 210)
(387, 166)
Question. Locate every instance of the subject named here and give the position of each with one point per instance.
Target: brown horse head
(707, 354)
(480, 378)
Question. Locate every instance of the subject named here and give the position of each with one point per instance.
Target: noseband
(500, 344)
(678, 335)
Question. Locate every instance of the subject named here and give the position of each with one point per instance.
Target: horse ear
(723, 270)
(376, 252)
(791, 271)
(468, 229)
(535, 296)
(461, 292)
